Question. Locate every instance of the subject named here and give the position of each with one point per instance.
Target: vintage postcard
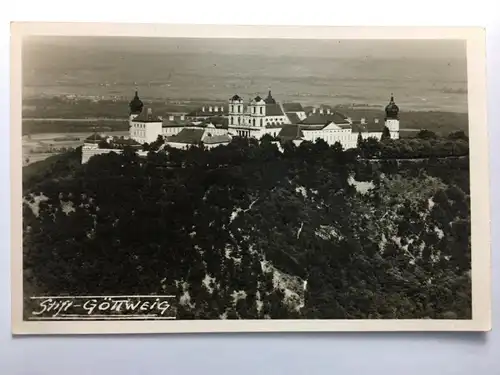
(194, 178)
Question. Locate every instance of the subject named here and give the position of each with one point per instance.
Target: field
(37, 147)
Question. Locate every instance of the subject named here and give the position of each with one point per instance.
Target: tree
(267, 138)
(426, 134)
(386, 134)
(249, 221)
(458, 135)
(154, 146)
(360, 141)
(104, 144)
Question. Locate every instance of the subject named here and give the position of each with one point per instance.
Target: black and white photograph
(240, 182)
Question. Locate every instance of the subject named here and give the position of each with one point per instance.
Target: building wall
(330, 136)
(130, 119)
(302, 115)
(393, 126)
(145, 131)
(245, 132)
(271, 131)
(184, 146)
(171, 130)
(395, 135)
(253, 115)
(89, 151)
(277, 119)
(215, 131)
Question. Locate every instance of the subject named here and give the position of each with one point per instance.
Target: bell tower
(392, 118)
(135, 106)
(235, 110)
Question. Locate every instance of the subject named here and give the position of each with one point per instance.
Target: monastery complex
(213, 126)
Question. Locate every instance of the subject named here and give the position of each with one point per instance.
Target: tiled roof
(147, 117)
(270, 99)
(274, 126)
(217, 139)
(187, 135)
(368, 127)
(274, 110)
(292, 116)
(218, 121)
(94, 138)
(310, 110)
(311, 127)
(125, 142)
(293, 107)
(206, 113)
(236, 97)
(344, 126)
(290, 132)
(175, 122)
(318, 118)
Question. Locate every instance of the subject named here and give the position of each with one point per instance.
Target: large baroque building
(256, 118)
(215, 125)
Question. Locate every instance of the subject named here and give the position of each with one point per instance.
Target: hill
(246, 231)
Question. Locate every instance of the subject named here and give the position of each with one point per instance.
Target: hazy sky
(430, 74)
(411, 49)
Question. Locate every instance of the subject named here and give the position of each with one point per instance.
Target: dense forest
(253, 230)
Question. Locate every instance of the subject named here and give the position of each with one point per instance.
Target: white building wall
(330, 136)
(216, 131)
(301, 115)
(271, 131)
(130, 119)
(88, 152)
(171, 130)
(185, 146)
(277, 120)
(145, 131)
(393, 126)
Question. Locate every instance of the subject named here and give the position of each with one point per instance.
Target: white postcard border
(479, 177)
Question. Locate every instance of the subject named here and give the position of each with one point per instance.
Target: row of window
(238, 106)
(332, 139)
(139, 133)
(253, 123)
(254, 109)
(246, 133)
(261, 121)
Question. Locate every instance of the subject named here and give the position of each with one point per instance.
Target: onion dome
(392, 110)
(136, 105)
(270, 99)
